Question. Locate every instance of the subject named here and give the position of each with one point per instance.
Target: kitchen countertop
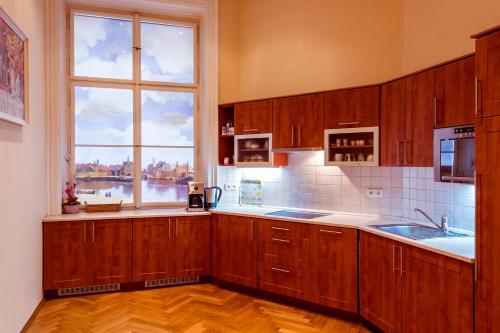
(123, 214)
(461, 248)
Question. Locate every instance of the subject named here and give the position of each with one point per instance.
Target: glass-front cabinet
(357, 146)
(253, 150)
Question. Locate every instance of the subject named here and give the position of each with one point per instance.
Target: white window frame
(137, 85)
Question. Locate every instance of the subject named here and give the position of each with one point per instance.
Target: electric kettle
(212, 196)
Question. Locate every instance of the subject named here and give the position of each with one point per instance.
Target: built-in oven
(454, 154)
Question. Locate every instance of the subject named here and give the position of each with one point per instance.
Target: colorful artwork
(13, 61)
(251, 192)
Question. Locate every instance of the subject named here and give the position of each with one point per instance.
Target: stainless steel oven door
(453, 157)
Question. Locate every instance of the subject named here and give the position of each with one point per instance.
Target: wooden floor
(189, 309)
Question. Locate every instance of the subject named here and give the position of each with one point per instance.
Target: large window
(134, 89)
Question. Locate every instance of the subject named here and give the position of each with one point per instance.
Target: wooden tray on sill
(94, 208)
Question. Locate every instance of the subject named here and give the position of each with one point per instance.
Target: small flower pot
(71, 209)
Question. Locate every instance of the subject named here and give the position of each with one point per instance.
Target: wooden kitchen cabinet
(65, 255)
(392, 122)
(380, 281)
(488, 73)
(284, 258)
(357, 107)
(152, 249)
(234, 246)
(298, 122)
(334, 267)
(487, 284)
(254, 117)
(437, 293)
(191, 247)
(407, 121)
(111, 251)
(408, 289)
(454, 93)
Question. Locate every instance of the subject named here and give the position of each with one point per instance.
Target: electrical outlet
(230, 187)
(374, 192)
(233, 187)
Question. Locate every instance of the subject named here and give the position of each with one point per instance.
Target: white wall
(307, 183)
(22, 183)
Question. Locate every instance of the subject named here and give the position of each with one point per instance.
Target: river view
(152, 191)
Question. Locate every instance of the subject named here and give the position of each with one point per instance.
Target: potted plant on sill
(71, 205)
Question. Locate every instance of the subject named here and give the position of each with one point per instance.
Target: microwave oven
(454, 154)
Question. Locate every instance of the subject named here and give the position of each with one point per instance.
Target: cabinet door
(253, 117)
(419, 131)
(111, 251)
(335, 267)
(454, 93)
(487, 225)
(357, 107)
(191, 246)
(437, 293)
(311, 113)
(285, 117)
(392, 123)
(65, 255)
(488, 75)
(236, 249)
(152, 249)
(380, 281)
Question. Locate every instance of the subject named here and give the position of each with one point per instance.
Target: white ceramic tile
(421, 195)
(413, 172)
(429, 196)
(385, 181)
(429, 173)
(365, 172)
(421, 173)
(323, 180)
(421, 183)
(375, 171)
(375, 181)
(385, 172)
(413, 183)
(406, 172)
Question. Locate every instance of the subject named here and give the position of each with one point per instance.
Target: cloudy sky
(103, 48)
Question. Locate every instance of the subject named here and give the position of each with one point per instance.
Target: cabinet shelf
(226, 136)
(350, 147)
(247, 150)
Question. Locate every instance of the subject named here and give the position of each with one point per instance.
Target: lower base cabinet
(334, 267)
(78, 254)
(407, 289)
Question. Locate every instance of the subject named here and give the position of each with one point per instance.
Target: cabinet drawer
(284, 280)
(287, 251)
(284, 229)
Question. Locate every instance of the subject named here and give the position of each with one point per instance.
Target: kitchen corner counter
(123, 214)
(461, 248)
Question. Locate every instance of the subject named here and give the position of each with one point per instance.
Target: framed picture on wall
(13, 72)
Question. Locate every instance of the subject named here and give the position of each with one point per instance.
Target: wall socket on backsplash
(374, 192)
(230, 187)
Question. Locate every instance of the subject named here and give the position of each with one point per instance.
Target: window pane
(167, 118)
(167, 53)
(102, 47)
(103, 116)
(165, 173)
(104, 175)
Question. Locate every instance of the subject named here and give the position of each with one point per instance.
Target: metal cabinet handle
(280, 270)
(405, 160)
(435, 112)
(398, 161)
(479, 96)
(331, 231)
(401, 260)
(251, 230)
(251, 130)
(349, 123)
(280, 240)
(293, 136)
(394, 268)
(283, 229)
(84, 232)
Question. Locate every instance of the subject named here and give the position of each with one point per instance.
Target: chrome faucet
(444, 220)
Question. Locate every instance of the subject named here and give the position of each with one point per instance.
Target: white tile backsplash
(307, 183)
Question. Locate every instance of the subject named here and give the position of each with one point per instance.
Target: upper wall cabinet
(255, 117)
(487, 74)
(407, 121)
(298, 122)
(357, 107)
(454, 94)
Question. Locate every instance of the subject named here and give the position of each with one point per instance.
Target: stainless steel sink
(417, 231)
(300, 214)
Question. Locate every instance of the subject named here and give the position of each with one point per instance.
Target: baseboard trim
(33, 315)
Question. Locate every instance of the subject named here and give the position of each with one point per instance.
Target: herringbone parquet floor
(188, 309)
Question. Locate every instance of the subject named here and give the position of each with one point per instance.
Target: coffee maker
(196, 196)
